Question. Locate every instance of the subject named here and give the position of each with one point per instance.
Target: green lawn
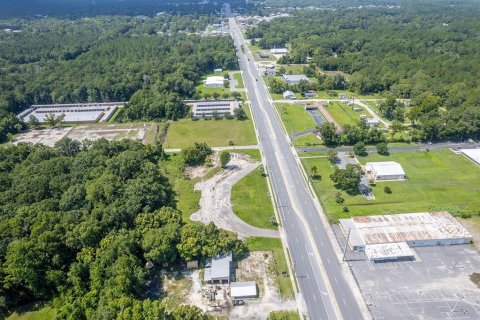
(283, 315)
(45, 313)
(200, 88)
(274, 245)
(239, 78)
(216, 133)
(294, 117)
(344, 114)
(251, 201)
(307, 141)
(437, 180)
(279, 96)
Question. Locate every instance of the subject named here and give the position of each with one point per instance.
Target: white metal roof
(295, 77)
(473, 154)
(215, 80)
(243, 289)
(388, 251)
(385, 168)
(408, 227)
(220, 267)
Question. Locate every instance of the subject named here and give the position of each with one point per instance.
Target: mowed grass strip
(437, 180)
(294, 117)
(275, 246)
(238, 77)
(216, 133)
(45, 313)
(344, 114)
(251, 201)
(283, 315)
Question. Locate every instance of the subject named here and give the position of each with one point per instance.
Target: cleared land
(294, 117)
(280, 266)
(216, 133)
(251, 201)
(145, 132)
(437, 180)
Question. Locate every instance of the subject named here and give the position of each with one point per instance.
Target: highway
(324, 289)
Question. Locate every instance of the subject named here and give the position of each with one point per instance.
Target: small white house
(289, 95)
(279, 51)
(215, 82)
(372, 122)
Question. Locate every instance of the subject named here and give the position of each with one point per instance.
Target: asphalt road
(412, 147)
(323, 287)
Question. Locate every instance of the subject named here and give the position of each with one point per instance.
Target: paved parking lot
(437, 285)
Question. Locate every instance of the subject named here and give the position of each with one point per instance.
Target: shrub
(387, 190)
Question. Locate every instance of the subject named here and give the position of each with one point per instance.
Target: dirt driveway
(215, 202)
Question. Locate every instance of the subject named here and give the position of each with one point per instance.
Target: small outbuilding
(472, 154)
(372, 122)
(279, 51)
(385, 170)
(243, 290)
(289, 95)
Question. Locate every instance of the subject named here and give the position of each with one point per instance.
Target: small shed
(289, 95)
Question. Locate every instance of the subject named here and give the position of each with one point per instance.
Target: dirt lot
(215, 202)
(256, 267)
(141, 132)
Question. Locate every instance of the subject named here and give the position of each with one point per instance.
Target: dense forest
(158, 61)
(430, 54)
(90, 224)
(89, 8)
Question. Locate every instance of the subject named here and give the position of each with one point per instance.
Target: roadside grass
(437, 180)
(251, 201)
(283, 315)
(294, 117)
(279, 96)
(238, 77)
(274, 245)
(309, 140)
(343, 114)
(216, 133)
(31, 312)
(253, 153)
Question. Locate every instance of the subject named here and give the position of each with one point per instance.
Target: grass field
(200, 88)
(279, 96)
(45, 313)
(274, 245)
(294, 117)
(216, 133)
(437, 180)
(307, 141)
(283, 315)
(239, 78)
(344, 114)
(251, 201)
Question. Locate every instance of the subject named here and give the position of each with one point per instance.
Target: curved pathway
(215, 202)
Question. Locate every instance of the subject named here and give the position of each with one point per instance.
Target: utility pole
(346, 244)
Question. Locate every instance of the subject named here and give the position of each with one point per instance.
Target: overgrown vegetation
(89, 224)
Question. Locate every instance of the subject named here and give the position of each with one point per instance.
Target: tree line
(90, 224)
(427, 53)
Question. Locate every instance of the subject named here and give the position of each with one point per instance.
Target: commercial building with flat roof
(295, 78)
(207, 108)
(218, 269)
(409, 229)
(215, 82)
(73, 112)
(386, 170)
(472, 154)
(279, 51)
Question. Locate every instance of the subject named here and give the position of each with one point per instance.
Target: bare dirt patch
(47, 137)
(193, 172)
(215, 202)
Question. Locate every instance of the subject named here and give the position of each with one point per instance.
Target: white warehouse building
(391, 237)
(215, 82)
(386, 170)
